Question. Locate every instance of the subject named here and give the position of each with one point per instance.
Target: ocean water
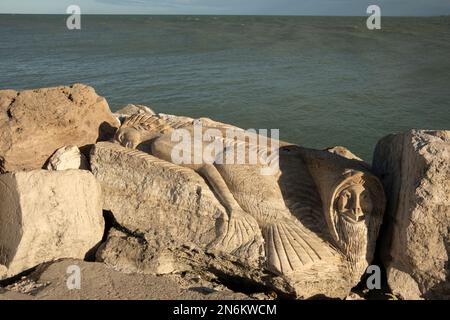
(323, 81)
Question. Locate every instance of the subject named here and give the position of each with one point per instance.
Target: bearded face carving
(354, 203)
(356, 212)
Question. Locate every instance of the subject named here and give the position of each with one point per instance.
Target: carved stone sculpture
(353, 203)
(319, 213)
(157, 199)
(131, 109)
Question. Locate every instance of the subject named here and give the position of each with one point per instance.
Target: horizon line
(218, 15)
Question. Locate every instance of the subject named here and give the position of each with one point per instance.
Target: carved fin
(290, 247)
(238, 235)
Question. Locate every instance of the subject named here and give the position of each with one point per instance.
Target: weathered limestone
(308, 230)
(319, 214)
(130, 110)
(415, 169)
(47, 215)
(131, 253)
(166, 202)
(66, 158)
(35, 123)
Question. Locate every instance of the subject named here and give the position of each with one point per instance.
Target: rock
(176, 121)
(66, 158)
(26, 286)
(415, 246)
(48, 215)
(35, 123)
(131, 253)
(98, 282)
(166, 203)
(318, 212)
(132, 109)
(3, 271)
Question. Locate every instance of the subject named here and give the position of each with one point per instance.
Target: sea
(322, 81)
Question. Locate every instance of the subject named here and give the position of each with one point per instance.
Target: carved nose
(357, 211)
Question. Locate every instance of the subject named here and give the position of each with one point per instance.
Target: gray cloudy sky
(256, 7)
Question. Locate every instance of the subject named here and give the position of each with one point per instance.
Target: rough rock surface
(47, 215)
(66, 158)
(131, 109)
(319, 212)
(35, 123)
(160, 200)
(98, 282)
(344, 152)
(130, 253)
(415, 169)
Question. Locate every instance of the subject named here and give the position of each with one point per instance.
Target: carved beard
(353, 240)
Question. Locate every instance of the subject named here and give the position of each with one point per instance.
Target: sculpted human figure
(317, 209)
(236, 235)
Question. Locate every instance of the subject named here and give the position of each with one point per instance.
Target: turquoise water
(322, 81)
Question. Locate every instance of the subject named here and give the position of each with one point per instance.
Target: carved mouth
(352, 218)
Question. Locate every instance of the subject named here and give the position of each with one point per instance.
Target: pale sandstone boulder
(66, 158)
(130, 254)
(164, 203)
(35, 123)
(415, 169)
(47, 215)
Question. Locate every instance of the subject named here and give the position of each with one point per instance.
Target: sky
(237, 7)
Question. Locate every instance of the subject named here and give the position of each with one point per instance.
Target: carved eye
(344, 200)
(346, 195)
